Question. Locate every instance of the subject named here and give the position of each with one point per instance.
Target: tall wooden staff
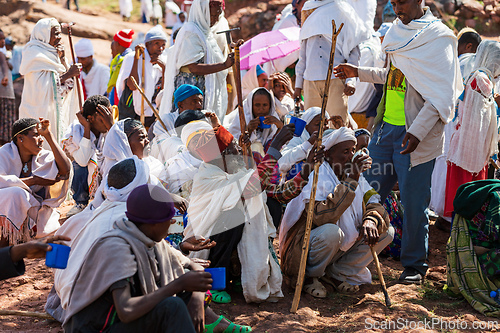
(312, 199)
(78, 83)
(239, 94)
(143, 84)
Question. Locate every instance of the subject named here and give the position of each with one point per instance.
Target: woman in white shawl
(127, 138)
(475, 138)
(297, 149)
(47, 91)
(33, 182)
(197, 59)
(259, 103)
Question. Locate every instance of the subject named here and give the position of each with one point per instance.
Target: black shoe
(442, 224)
(411, 276)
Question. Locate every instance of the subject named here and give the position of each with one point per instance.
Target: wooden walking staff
(312, 199)
(78, 83)
(143, 84)
(157, 114)
(381, 277)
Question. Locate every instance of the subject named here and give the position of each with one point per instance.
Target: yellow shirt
(395, 98)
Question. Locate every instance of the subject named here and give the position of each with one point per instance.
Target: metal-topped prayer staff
(312, 199)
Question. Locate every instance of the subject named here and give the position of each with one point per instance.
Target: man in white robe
(83, 143)
(94, 76)
(228, 206)
(154, 60)
(348, 219)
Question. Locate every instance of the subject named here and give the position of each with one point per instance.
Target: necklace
(25, 167)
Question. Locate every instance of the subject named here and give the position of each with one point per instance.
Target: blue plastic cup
(219, 277)
(58, 256)
(262, 125)
(299, 125)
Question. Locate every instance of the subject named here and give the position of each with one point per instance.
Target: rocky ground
(412, 305)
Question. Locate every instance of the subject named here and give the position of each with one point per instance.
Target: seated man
(33, 182)
(347, 220)
(83, 143)
(186, 97)
(127, 138)
(84, 228)
(228, 205)
(182, 167)
(130, 276)
(11, 258)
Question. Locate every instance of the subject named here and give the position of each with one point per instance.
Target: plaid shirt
(261, 180)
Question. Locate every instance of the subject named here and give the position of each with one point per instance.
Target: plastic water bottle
(496, 296)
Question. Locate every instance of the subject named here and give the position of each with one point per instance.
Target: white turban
(84, 48)
(311, 113)
(337, 136)
(192, 128)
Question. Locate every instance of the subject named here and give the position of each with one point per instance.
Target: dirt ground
(362, 311)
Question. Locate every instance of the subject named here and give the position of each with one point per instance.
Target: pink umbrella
(269, 46)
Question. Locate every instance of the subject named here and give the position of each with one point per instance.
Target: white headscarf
(260, 136)
(311, 113)
(476, 137)
(39, 49)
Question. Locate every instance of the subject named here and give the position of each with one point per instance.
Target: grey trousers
(325, 256)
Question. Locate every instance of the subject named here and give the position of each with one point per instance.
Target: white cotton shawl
(262, 136)
(466, 62)
(425, 50)
(87, 226)
(126, 7)
(44, 166)
(215, 191)
(319, 22)
(195, 41)
(476, 136)
(349, 222)
(42, 68)
(181, 169)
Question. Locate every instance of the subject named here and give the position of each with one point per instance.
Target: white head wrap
(42, 29)
(337, 136)
(192, 127)
(84, 48)
(488, 57)
(311, 113)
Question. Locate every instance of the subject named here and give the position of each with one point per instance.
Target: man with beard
(153, 77)
(228, 205)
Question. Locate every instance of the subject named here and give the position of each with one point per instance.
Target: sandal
(230, 329)
(220, 296)
(315, 289)
(343, 287)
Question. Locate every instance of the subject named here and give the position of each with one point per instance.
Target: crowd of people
(169, 175)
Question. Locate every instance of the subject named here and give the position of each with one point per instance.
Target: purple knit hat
(150, 204)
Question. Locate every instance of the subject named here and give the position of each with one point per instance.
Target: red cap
(124, 37)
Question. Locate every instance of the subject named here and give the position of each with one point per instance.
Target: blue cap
(493, 294)
(185, 91)
(9, 41)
